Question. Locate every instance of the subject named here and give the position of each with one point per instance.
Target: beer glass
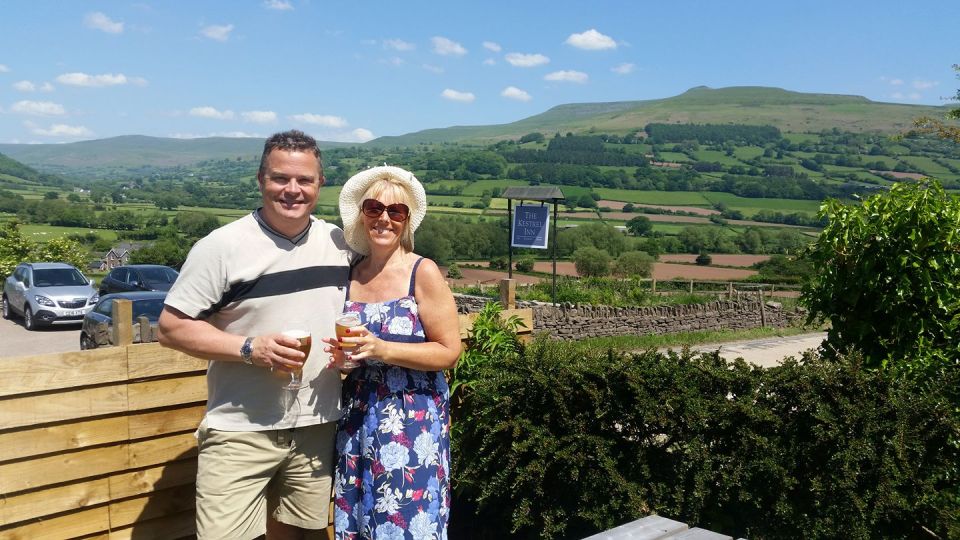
(306, 341)
(348, 320)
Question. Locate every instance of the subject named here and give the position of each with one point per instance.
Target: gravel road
(15, 340)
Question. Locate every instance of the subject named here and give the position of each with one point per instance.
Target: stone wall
(574, 321)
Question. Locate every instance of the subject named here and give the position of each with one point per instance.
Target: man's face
(289, 184)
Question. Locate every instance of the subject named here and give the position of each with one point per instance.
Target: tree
(525, 264)
(887, 276)
(15, 249)
(640, 226)
(591, 262)
(453, 271)
(633, 264)
(196, 224)
(704, 259)
(939, 127)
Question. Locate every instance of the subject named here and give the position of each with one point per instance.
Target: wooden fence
(99, 444)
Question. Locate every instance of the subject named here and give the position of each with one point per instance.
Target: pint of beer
(306, 342)
(347, 320)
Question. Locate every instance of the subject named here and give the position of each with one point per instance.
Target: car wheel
(7, 314)
(28, 321)
(86, 343)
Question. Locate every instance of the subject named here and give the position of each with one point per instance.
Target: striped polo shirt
(247, 279)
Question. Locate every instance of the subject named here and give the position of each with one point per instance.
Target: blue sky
(351, 71)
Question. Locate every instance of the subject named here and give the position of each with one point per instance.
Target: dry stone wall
(575, 321)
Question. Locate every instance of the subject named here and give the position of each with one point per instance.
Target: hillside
(133, 151)
(789, 111)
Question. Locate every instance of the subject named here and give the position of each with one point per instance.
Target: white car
(48, 293)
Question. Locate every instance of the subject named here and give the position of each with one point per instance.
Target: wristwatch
(246, 351)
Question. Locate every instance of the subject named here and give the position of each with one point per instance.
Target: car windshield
(149, 308)
(58, 277)
(159, 275)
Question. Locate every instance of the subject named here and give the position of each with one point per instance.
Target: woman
(392, 477)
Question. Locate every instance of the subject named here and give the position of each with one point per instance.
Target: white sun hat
(351, 196)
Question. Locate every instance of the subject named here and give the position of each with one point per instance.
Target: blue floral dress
(393, 442)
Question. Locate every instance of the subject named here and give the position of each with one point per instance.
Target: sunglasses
(373, 208)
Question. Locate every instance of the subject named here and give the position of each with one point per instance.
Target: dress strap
(350, 275)
(413, 276)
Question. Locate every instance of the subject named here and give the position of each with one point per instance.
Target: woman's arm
(441, 326)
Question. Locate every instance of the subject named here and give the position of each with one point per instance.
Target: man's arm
(201, 339)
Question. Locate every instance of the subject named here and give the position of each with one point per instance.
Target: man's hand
(277, 351)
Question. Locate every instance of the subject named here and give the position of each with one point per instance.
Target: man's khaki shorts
(243, 476)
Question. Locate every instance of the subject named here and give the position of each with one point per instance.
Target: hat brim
(353, 191)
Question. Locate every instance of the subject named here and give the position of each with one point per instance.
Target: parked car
(47, 293)
(138, 277)
(145, 303)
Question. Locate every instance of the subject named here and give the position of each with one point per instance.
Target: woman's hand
(359, 345)
(338, 359)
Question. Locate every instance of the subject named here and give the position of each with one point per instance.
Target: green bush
(633, 264)
(525, 264)
(558, 443)
(453, 271)
(498, 263)
(591, 262)
(704, 259)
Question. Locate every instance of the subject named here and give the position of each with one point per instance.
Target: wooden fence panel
(103, 440)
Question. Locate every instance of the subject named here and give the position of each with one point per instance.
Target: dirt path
(766, 352)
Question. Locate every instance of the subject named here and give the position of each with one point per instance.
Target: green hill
(132, 151)
(790, 111)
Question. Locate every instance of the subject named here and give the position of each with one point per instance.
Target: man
(265, 452)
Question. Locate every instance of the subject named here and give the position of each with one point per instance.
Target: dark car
(138, 277)
(98, 324)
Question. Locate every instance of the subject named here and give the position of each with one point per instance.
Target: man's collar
(294, 239)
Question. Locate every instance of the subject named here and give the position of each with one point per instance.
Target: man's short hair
(291, 141)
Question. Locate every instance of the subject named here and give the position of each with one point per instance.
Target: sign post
(531, 227)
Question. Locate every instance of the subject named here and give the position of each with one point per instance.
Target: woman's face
(384, 232)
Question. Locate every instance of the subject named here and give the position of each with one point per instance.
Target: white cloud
(512, 92)
(362, 135)
(567, 76)
(99, 21)
(896, 82)
(93, 81)
(399, 45)
(446, 47)
(231, 134)
(217, 32)
(325, 120)
(279, 5)
(526, 60)
(591, 40)
(433, 69)
(915, 95)
(38, 108)
(489, 62)
(4, 69)
(492, 46)
(210, 112)
(24, 86)
(59, 130)
(454, 95)
(623, 69)
(259, 117)
(924, 85)
(46, 87)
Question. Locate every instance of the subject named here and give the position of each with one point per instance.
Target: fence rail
(99, 444)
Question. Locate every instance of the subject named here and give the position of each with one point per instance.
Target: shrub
(498, 263)
(704, 259)
(888, 277)
(453, 271)
(524, 264)
(559, 443)
(633, 264)
(591, 262)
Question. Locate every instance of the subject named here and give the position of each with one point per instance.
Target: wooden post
(122, 322)
(508, 293)
(730, 290)
(763, 312)
(653, 285)
(691, 286)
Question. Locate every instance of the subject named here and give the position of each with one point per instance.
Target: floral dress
(393, 442)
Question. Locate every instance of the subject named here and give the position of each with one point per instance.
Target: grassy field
(928, 166)
(751, 206)
(674, 156)
(43, 233)
(448, 200)
(712, 156)
(801, 137)
(671, 198)
(747, 152)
